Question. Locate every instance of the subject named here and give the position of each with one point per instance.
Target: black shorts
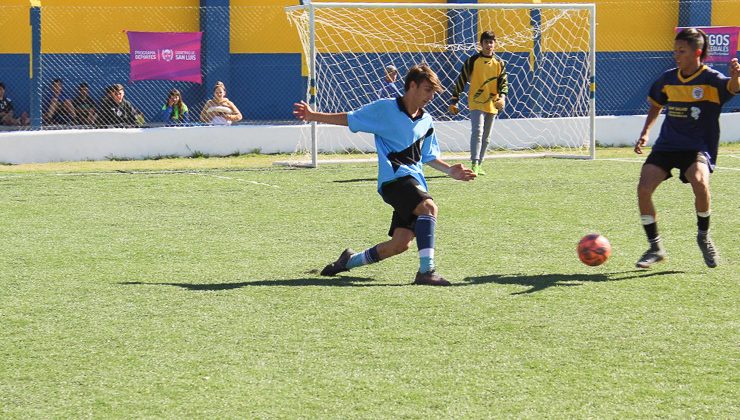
(403, 195)
(680, 160)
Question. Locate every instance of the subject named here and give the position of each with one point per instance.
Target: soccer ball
(594, 249)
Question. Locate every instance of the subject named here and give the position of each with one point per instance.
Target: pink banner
(722, 42)
(165, 56)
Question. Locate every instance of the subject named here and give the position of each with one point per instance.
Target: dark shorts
(680, 160)
(403, 195)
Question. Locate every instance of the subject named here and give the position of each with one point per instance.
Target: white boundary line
(640, 160)
(234, 179)
(633, 160)
(175, 172)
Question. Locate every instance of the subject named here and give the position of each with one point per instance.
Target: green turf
(132, 291)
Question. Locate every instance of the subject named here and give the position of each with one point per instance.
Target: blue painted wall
(14, 72)
(265, 85)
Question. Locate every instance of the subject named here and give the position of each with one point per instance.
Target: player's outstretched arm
(304, 112)
(457, 171)
(734, 85)
(652, 116)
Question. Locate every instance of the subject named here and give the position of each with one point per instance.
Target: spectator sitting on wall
(116, 111)
(219, 110)
(58, 108)
(85, 106)
(174, 111)
(7, 112)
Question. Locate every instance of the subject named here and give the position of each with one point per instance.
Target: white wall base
(137, 143)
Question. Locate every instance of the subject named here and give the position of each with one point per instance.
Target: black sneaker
(708, 251)
(652, 256)
(340, 265)
(430, 278)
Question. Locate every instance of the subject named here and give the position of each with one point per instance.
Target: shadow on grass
(543, 281)
(340, 281)
(344, 181)
(535, 282)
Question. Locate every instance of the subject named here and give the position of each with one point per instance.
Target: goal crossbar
(461, 6)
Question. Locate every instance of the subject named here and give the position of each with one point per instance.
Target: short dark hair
(421, 72)
(83, 85)
(114, 88)
(2, 85)
(487, 35)
(696, 38)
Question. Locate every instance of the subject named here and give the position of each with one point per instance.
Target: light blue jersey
(402, 143)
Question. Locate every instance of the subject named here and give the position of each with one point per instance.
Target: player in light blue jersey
(404, 139)
(693, 95)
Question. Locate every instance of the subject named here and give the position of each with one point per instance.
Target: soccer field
(189, 289)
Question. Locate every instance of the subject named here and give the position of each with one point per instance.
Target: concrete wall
(140, 143)
(264, 69)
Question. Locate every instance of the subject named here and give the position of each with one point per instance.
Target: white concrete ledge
(140, 143)
(625, 130)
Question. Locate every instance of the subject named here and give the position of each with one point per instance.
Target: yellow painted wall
(635, 25)
(565, 31)
(622, 25)
(378, 30)
(265, 28)
(84, 26)
(260, 26)
(15, 28)
(726, 13)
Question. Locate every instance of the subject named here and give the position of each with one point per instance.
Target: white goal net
(548, 50)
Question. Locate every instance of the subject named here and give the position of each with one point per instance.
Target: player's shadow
(541, 282)
(345, 181)
(535, 283)
(341, 281)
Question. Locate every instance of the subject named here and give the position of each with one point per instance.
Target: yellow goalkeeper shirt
(487, 77)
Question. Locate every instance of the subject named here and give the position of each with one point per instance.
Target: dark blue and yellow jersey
(487, 77)
(693, 105)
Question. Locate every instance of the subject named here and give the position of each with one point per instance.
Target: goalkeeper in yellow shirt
(486, 97)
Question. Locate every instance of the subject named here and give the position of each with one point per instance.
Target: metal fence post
(35, 65)
(215, 19)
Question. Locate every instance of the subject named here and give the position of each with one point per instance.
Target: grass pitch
(188, 288)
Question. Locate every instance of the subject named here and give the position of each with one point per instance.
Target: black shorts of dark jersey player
(680, 160)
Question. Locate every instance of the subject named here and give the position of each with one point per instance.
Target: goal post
(548, 50)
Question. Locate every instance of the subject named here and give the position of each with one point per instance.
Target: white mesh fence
(75, 55)
(546, 51)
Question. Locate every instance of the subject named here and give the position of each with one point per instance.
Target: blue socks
(424, 231)
(365, 257)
